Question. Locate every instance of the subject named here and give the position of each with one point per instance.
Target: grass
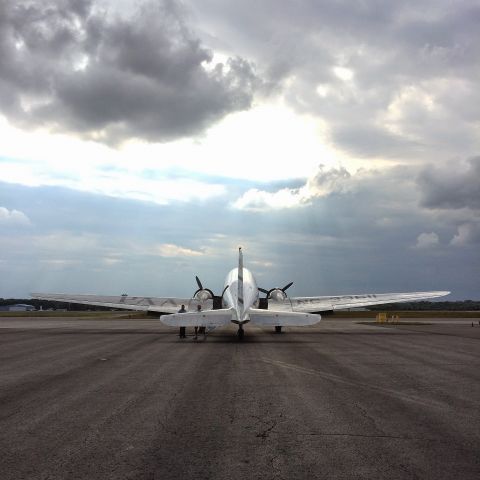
(408, 314)
(74, 314)
(393, 323)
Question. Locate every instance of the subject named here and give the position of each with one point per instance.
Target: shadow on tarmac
(229, 337)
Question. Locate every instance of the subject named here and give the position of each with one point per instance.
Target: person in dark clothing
(182, 329)
(199, 309)
(201, 330)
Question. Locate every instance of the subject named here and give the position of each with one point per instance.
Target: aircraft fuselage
(232, 298)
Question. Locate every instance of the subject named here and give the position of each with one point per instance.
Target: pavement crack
(361, 435)
(265, 433)
(368, 417)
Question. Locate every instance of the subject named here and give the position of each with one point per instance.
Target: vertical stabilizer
(240, 282)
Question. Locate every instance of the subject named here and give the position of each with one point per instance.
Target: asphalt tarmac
(127, 399)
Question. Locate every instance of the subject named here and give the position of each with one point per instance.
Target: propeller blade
(287, 286)
(263, 290)
(199, 283)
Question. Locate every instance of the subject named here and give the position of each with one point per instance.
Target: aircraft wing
(322, 304)
(124, 302)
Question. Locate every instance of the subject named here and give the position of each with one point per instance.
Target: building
(17, 307)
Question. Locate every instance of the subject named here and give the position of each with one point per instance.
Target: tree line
(50, 305)
(462, 305)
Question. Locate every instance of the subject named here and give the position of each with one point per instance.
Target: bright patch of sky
(267, 144)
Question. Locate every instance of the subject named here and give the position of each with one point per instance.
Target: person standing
(199, 309)
(183, 329)
(201, 329)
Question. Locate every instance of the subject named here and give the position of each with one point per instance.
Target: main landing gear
(278, 329)
(240, 332)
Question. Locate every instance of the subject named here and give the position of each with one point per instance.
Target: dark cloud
(454, 186)
(415, 67)
(467, 234)
(68, 65)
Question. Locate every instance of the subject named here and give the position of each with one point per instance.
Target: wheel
(278, 329)
(240, 333)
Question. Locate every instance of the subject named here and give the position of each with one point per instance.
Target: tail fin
(240, 280)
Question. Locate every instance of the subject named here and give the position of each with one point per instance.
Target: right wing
(322, 304)
(124, 302)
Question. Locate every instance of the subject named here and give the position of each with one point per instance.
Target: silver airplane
(240, 303)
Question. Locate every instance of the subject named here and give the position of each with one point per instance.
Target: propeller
(224, 290)
(268, 293)
(205, 293)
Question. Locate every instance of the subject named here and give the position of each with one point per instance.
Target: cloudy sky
(141, 142)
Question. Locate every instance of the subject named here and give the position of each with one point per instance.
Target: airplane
(240, 303)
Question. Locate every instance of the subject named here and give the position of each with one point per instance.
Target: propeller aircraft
(240, 303)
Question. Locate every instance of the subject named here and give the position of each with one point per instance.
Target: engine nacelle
(277, 295)
(204, 294)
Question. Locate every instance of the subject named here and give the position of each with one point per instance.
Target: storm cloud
(453, 191)
(70, 66)
(452, 186)
(391, 80)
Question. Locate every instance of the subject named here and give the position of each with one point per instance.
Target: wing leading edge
(125, 302)
(323, 304)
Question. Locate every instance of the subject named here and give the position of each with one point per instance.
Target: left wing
(322, 304)
(124, 302)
